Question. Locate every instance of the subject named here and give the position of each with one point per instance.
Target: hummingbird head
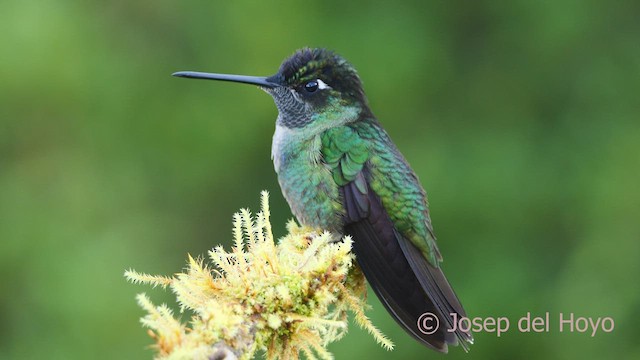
(313, 89)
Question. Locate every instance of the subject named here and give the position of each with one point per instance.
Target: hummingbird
(339, 171)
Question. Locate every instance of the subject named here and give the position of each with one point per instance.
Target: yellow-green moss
(284, 299)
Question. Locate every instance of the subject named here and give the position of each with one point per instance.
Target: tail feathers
(433, 281)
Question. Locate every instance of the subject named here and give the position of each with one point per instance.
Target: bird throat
(292, 112)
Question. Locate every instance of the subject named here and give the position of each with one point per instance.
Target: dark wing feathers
(356, 201)
(398, 272)
(389, 274)
(406, 284)
(435, 284)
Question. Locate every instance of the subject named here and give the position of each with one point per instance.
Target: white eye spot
(322, 85)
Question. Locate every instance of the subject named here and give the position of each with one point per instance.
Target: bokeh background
(521, 119)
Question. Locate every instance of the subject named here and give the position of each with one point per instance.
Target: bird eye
(311, 86)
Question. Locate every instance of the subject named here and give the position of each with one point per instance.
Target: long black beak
(261, 81)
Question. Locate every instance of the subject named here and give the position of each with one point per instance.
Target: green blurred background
(521, 119)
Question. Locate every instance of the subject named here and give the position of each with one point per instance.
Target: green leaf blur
(521, 118)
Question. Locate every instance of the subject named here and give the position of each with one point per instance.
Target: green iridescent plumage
(339, 171)
(346, 150)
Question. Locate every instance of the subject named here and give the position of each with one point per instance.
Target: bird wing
(386, 214)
